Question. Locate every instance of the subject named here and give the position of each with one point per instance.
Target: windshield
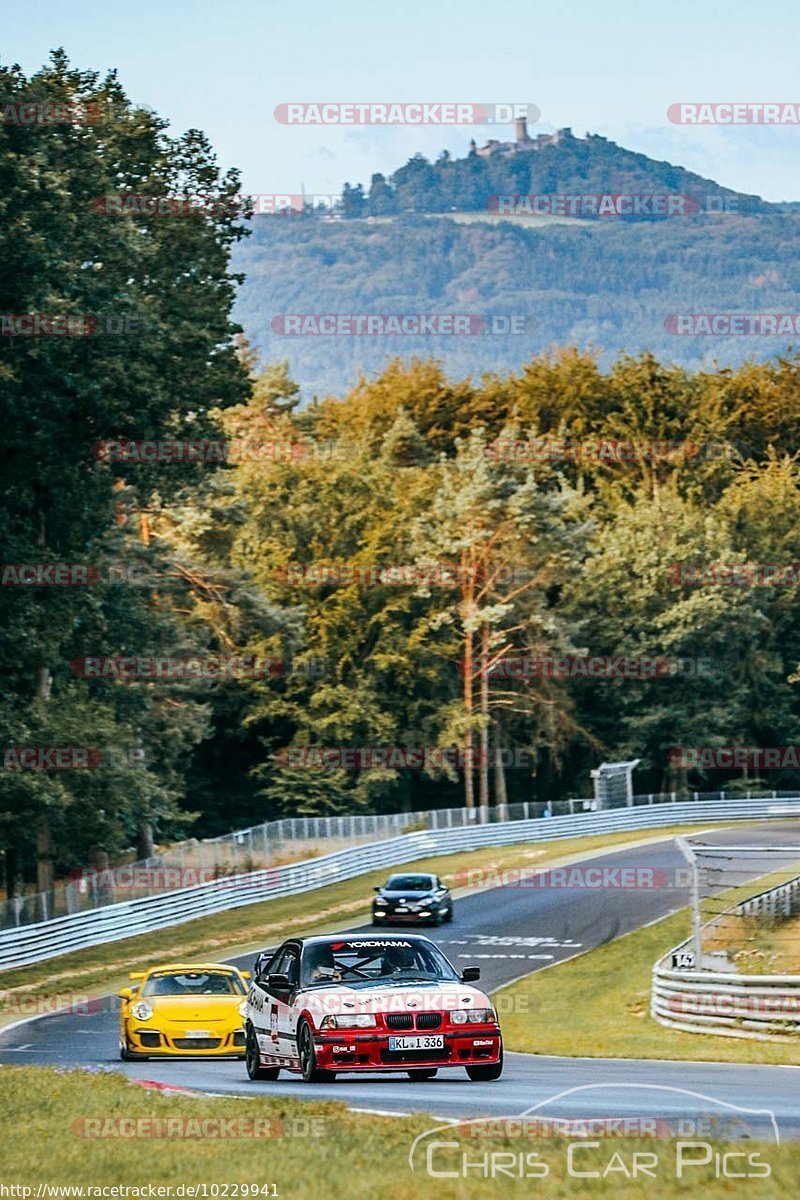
(194, 983)
(360, 962)
(409, 883)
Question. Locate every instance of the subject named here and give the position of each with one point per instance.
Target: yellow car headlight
(142, 1011)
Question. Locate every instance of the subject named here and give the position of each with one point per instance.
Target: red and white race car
(321, 1005)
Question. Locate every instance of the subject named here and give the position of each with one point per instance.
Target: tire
(128, 1056)
(252, 1059)
(308, 1058)
(449, 916)
(481, 1074)
(420, 1074)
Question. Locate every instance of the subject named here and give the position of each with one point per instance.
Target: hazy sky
(610, 68)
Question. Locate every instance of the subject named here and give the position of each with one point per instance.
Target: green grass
(237, 931)
(348, 1156)
(598, 1006)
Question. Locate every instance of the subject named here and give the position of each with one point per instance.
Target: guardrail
(289, 839)
(761, 1007)
(781, 901)
(35, 943)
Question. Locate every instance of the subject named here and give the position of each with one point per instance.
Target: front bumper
(160, 1043)
(354, 1050)
(404, 916)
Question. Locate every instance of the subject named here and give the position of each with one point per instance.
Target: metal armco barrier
(34, 943)
(763, 1007)
(745, 1006)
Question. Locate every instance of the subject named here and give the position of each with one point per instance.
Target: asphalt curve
(508, 931)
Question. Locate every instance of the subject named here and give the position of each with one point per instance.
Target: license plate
(432, 1041)
(197, 1033)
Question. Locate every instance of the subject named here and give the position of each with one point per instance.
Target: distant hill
(545, 166)
(607, 282)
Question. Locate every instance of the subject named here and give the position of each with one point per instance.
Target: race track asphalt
(508, 931)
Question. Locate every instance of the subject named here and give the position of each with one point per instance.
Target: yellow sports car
(195, 1010)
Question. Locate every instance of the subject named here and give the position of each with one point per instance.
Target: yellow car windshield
(194, 983)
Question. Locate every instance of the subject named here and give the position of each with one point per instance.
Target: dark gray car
(412, 897)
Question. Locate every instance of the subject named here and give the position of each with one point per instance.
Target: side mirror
(376, 888)
(246, 975)
(137, 975)
(470, 974)
(126, 994)
(279, 985)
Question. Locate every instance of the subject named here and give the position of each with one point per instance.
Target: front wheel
(481, 1074)
(308, 1057)
(449, 916)
(252, 1059)
(127, 1056)
(420, 1074)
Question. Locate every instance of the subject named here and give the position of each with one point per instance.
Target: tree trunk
(44, 834)
(469, 787)
(483, 766)
(145, 847)
(500, 793)
(44, 855)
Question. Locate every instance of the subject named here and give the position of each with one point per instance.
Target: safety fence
(290, 839)
(687, 996)
(114, 922)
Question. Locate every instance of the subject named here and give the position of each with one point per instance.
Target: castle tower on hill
(521, 135)
(523, 143)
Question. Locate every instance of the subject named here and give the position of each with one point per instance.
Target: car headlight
(474, 1016)
(379, 900)
(142, 1011)
(348, 1021)
(242, 1009)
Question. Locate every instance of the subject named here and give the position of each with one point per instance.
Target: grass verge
(598, 1006)
(250, 928)
(333, 1153)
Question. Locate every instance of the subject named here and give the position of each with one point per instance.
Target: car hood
(393, 895)
(189, 1008)
(400, 997)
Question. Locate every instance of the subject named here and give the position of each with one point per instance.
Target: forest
(221, 603)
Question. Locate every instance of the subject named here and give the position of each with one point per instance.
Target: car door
(260, 1006)
(280, 1019)
(287, 1016)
